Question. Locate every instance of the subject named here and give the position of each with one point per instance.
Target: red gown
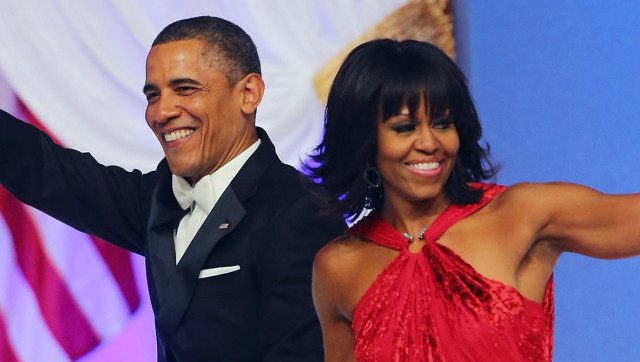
(433, 306)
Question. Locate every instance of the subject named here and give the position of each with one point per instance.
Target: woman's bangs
(399, 90)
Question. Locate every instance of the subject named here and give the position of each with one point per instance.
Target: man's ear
(252, 91)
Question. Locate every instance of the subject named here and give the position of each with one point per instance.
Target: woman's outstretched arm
(578, 219)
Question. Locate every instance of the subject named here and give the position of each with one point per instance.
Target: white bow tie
(201, 193)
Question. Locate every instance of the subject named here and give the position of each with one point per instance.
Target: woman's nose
(426, 140)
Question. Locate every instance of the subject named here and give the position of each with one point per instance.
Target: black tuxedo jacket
(264, 222)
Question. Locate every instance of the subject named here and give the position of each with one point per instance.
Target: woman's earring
(372, 178)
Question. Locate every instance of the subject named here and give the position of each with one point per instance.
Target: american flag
(61, 292)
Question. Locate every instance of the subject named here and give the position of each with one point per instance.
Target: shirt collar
(209, 188)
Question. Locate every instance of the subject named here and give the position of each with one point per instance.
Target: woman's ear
(252, 91)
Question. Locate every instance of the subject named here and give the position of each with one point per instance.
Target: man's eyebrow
(175, 82)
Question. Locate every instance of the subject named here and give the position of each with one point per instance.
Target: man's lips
(177, 134)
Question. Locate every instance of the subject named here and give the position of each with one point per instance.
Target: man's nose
(166, 109)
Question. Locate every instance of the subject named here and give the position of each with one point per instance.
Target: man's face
(193, 110)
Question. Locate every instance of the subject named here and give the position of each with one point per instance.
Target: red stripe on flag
(117, 260)
(58, 307)
(6, 352)
(119, 263)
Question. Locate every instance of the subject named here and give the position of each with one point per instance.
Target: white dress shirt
(202, 197)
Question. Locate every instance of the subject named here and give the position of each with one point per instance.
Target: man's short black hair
(232, 50)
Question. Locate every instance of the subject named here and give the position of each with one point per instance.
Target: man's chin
(179, 169)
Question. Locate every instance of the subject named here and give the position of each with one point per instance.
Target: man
(229, 273)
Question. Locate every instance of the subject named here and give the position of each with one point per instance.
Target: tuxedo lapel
(165, 214)
(178, 290)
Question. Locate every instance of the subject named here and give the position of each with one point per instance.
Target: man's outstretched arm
(71, 186)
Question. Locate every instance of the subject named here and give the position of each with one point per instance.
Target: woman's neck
(413, 217)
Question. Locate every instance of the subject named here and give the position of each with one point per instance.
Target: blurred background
(557, 85)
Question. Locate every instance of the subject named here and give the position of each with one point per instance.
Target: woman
(444, 267)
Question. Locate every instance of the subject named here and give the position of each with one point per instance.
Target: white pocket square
(212, 272)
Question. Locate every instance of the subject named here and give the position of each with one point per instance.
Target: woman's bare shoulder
(524, 193)
(532, 205)
(340, 254)
(334, 269)
(521, 189)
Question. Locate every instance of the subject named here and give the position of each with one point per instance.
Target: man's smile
(177, 134)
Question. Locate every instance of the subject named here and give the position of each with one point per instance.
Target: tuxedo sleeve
(71, 186)
(290, 330)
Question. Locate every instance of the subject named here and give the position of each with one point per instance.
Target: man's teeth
(425, 165)
(175, 135)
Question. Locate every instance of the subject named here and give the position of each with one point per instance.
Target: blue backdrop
(557, 85)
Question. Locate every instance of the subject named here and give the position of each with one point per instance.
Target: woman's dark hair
(376, 79)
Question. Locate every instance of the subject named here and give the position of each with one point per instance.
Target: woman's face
(416, 156)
